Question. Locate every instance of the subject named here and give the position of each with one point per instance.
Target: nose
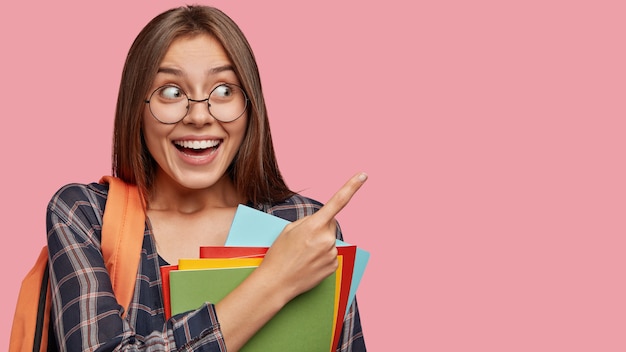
(198, 115)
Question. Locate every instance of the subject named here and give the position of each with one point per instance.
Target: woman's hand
(305, 253)
(300, 258)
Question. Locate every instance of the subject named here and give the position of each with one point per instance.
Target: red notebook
(232, 252)
(348, 253)
(165, 284)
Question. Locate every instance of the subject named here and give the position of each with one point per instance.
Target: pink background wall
(493, 133)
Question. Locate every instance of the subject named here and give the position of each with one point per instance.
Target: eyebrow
(180, 73)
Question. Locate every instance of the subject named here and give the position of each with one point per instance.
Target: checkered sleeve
(85, 313)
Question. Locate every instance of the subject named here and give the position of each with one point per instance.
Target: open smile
(198, 148)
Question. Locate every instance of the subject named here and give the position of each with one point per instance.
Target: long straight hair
(254, 170)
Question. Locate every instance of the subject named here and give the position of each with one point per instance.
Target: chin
(201, 181)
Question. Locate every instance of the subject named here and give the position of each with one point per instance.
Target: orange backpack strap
(122, 237)
(32, 311)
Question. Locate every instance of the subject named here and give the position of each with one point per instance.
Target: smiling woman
(191, 131)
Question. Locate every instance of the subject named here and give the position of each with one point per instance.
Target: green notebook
(304, 324)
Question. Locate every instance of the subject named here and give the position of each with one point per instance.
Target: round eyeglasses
(170, 104)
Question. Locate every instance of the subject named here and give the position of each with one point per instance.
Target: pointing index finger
(341, 198)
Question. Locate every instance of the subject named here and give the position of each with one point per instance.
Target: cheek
(238, 131)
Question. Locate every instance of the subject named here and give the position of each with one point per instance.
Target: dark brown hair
(254, 169)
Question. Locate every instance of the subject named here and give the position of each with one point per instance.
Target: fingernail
(363, 177)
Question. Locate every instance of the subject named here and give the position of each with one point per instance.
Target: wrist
(278, 292)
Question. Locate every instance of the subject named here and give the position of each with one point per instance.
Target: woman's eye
(222, 91)
(170, 92)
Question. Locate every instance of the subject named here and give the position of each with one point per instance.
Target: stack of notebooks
(310, 322)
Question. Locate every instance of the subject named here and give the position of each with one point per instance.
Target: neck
(168, 195)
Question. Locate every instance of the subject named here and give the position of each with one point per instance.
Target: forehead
(196, 52)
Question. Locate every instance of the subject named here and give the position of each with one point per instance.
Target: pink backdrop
(493, 133)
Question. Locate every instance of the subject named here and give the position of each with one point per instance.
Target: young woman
(191, 131)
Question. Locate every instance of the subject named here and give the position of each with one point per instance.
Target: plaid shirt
(85, 313)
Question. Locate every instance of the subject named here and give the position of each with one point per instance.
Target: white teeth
(197, 144)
